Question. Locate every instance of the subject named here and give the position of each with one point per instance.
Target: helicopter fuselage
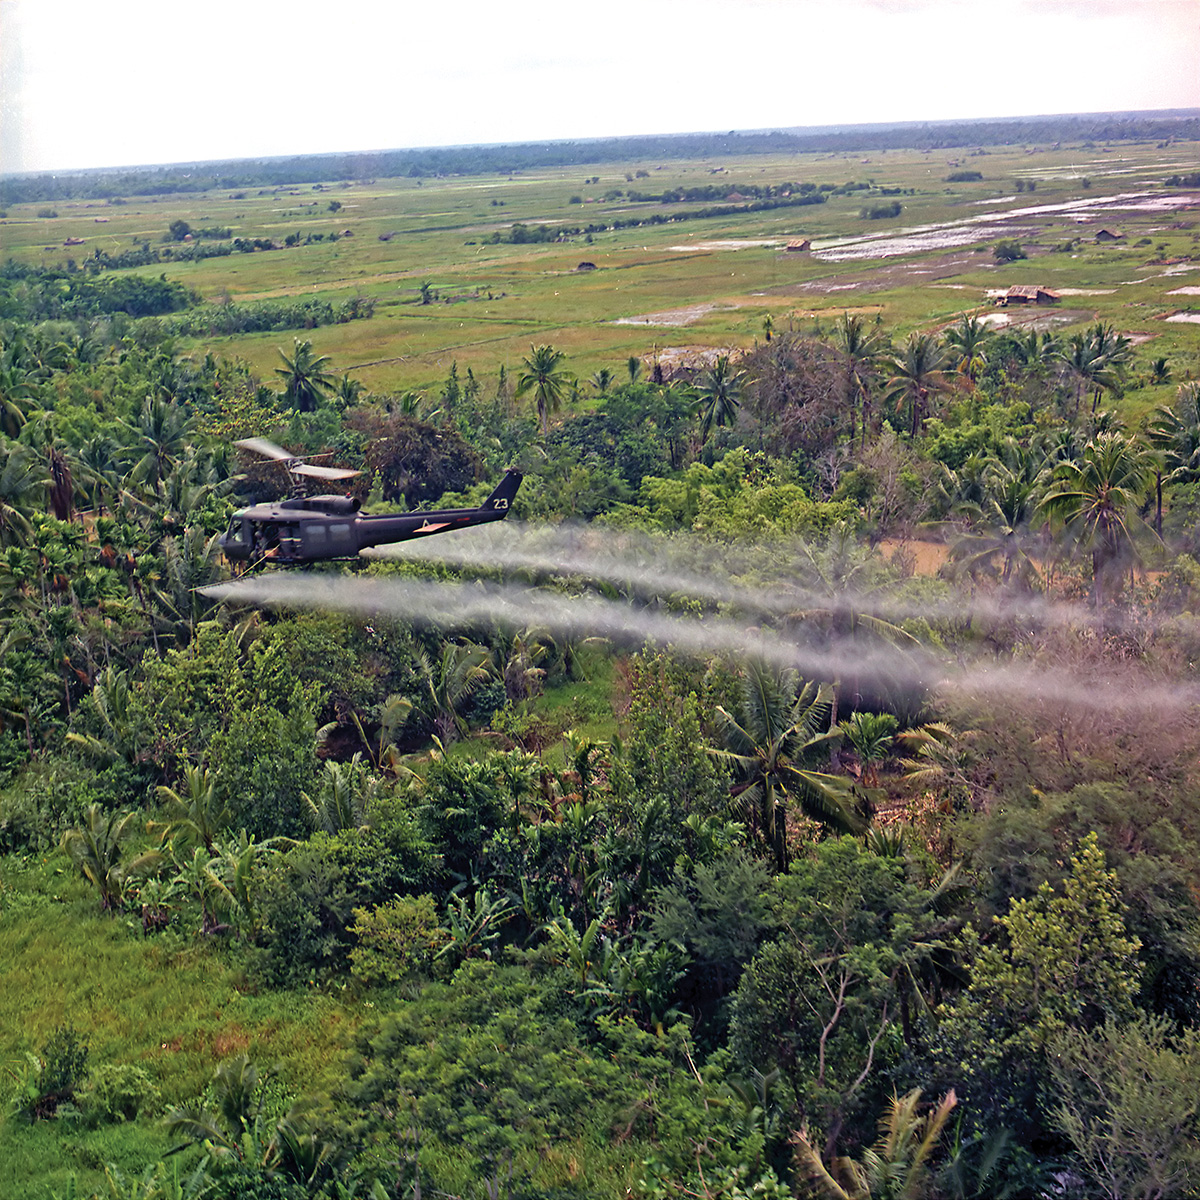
(308, 529)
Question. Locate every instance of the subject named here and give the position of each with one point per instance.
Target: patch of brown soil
(923, 558)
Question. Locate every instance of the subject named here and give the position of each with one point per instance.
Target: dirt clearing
(677, 316)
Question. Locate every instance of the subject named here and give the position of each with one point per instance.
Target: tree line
(506, 159)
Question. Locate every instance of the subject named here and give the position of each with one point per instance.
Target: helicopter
(306, 529)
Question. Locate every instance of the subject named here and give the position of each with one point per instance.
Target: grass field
(494, 301)
(173, 1011)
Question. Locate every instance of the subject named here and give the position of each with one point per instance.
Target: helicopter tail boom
(502, 497)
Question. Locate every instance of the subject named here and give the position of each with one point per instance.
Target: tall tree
(1095, 501)
(160, 438)
(968, 341)
(306, 376)
(21, 482)
(918, 372)
(1002, 518)
(1174, 432)
(1096, 361)
(718, 396)
(862, 351)
(781, 724)
(543, 375)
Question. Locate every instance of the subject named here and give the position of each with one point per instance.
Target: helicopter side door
(329, 539)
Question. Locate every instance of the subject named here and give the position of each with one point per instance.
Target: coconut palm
(97, 849)
(192, 562)
(239, 1093)
(895, 1168)
(348, 391)
(1033, 350)
(1174, 432)
(872, 735)
(306, 376)
(112, 702)
(718, 396)
(1011, 486)
(197, 814)
(22, 479)
(160, 438)
(1096, 360)
(781, 723)
(1095, 501)
(17, 397)
(602, 381)
(342, 802)
(544, 377)
(968, 342)
(444, 686)
(862, 351)
(918, 372)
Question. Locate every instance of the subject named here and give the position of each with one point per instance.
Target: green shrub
(395, 940)
(49, 1079)
(117, 1092)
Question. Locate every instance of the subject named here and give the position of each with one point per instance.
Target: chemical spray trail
(774, 579)
(513, 607)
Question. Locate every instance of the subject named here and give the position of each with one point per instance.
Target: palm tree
(1011, 486)
(1034, 350)
(862, 351)
(21, 480)
(872, 735)
(160, 437)
(968, 340)
(717, 396)
(1096, 360)
(16, 398)
(199, 814)
(348, 390)
(840, 583)
(895, 1168)
(306, 376)
(782, 722)
(239, 1093)
(544, 377)
(602, 381)
(445, 685)
(96, 849)
(917, 372)
(112, 702)
(1095, 500)
(1174, 431)
(192, 562)
(634, 366)
(345, 795)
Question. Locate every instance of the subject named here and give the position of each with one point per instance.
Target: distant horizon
(86, 85)
(1166, 114)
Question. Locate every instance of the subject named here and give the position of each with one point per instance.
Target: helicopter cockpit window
(234, 533)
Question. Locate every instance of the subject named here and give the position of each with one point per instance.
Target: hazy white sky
(120, 82)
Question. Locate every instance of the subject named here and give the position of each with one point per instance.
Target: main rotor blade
(324, 472)
(265, 448)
